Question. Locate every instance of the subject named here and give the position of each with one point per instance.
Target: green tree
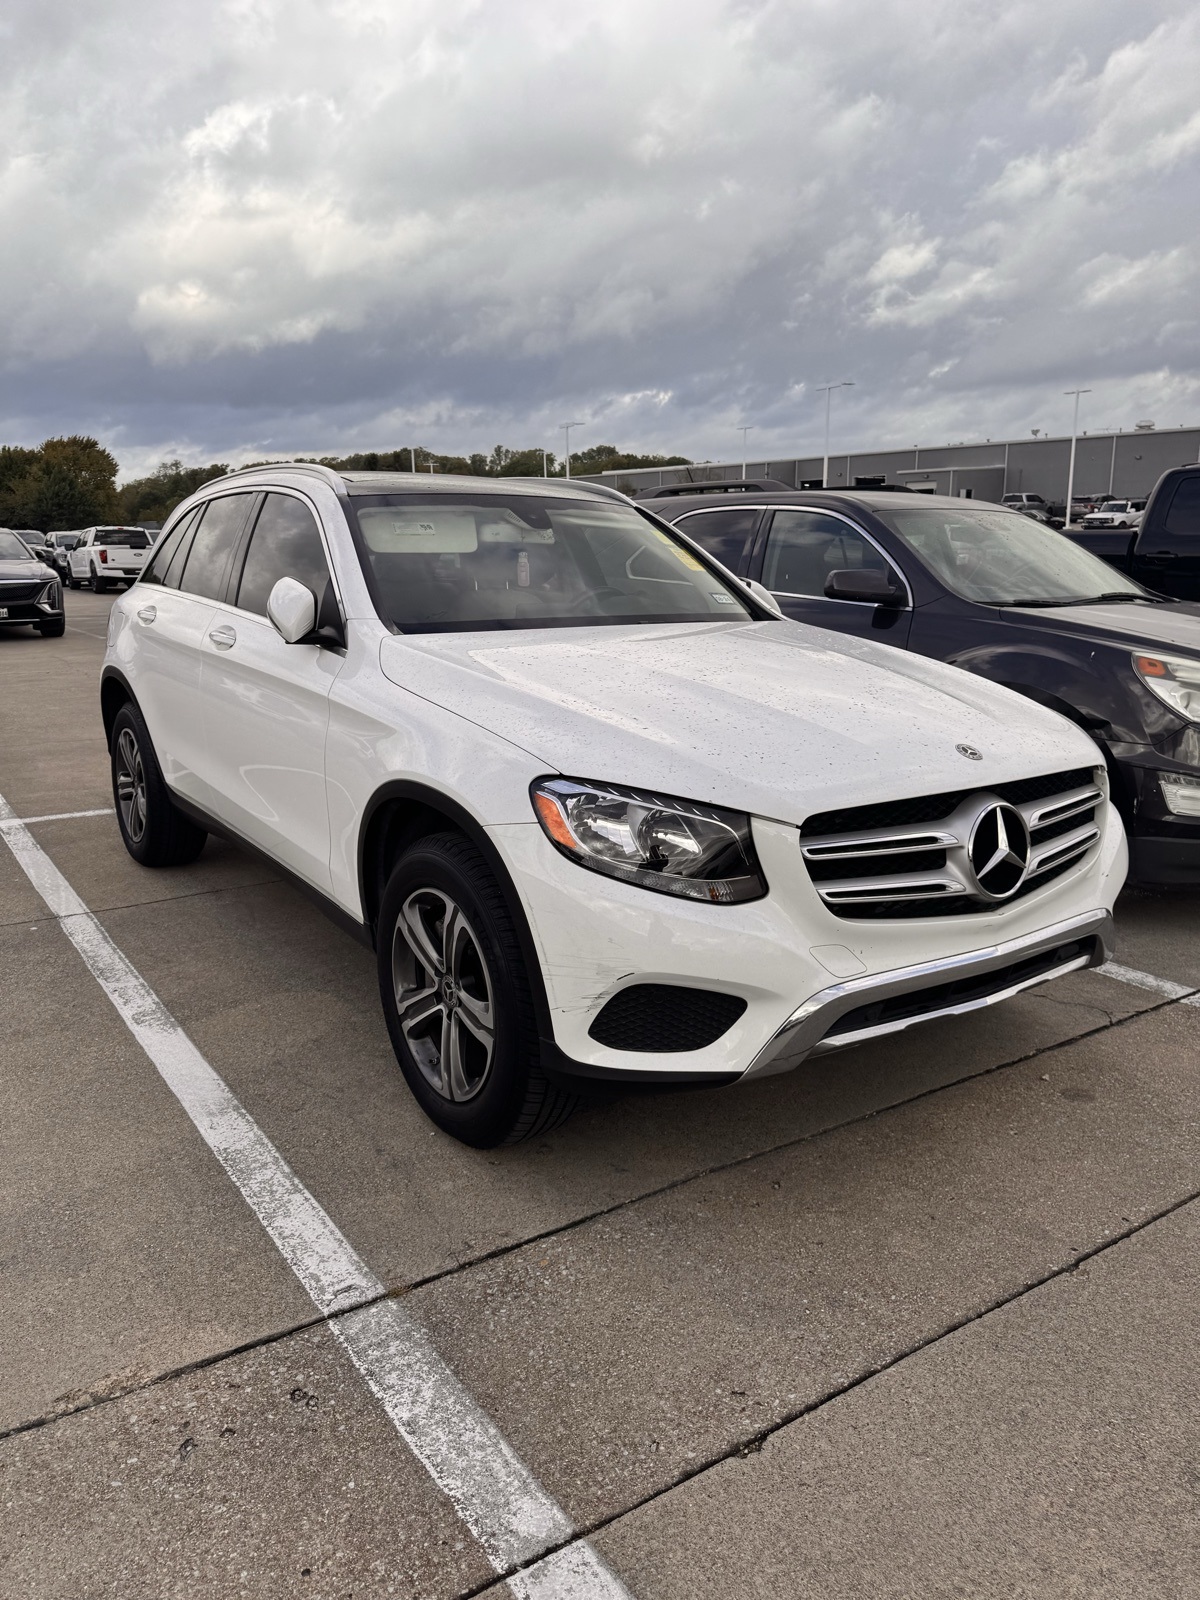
(68, 483)
(152, 499)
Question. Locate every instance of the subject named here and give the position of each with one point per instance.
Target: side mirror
(763, 596)
(867, 584)
(292, 610)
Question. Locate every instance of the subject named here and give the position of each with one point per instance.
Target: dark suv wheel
(155, 831)
(457, 999)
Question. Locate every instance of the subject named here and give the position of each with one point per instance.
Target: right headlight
(1174, 679)
(658, 842)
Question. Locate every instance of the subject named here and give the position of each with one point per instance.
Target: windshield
(455, 562)
(11, 548)
(1000, 558)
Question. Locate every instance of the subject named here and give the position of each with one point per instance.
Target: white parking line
(494, 1493)
(62, 816)
(1146, 980)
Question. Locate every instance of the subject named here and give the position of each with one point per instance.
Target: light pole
(744, 429)
(566, 428)
(412, 458)
(545, 464)
(1071, 468)
(827, 390)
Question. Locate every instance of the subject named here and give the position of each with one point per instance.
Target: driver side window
(804, 547)
(286, 543)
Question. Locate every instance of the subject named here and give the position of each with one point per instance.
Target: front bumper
(798, 968)
(868, 1008)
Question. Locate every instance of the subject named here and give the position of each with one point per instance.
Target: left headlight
(658, 842)
(1174, 679)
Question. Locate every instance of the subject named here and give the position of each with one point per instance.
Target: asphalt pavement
(916, 1320)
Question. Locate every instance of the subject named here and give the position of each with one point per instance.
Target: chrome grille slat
(883, 841)
(1040, 814)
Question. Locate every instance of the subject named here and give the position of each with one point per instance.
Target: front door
(802, 549)
(266, 703)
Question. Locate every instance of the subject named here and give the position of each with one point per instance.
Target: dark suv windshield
(12, 549)
(1001, 558)
(450, 561)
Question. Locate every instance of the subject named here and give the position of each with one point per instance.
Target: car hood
(769, 717)
(1171, 626)
(23, 571)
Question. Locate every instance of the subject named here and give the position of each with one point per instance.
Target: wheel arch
(398, 814)
(114, 693)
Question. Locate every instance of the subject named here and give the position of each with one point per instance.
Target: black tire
(99, 584)
(69, 580)
(52, 628)
(155, 831)
(485, 1095)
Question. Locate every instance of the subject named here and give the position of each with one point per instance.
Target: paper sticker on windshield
(677, 551)
(723, 599)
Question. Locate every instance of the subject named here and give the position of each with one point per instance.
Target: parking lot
(916, 1320)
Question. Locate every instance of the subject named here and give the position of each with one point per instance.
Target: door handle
(147, 613)
(223, 637)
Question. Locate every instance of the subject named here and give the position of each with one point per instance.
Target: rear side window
(157, 567)
(724, 534)
(285, 544)
(1183, 514)
(216, 538)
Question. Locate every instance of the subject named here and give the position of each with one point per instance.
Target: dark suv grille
(911, 858)
(661, 1016)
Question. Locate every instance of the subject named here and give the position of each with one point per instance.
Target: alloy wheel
(131, 785)
(443, 995)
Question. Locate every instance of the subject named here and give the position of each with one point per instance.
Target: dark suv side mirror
(867, 584)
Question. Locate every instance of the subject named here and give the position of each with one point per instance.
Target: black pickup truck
(1163, 552)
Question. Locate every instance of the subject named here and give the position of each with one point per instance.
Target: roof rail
(718, 486)
(328, 474)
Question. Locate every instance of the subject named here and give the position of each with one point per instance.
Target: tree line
(72, 482)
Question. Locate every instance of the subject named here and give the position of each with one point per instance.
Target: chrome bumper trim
(804, 1032)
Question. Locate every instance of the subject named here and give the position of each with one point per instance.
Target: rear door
(802, 548)
(266, 703)
(175, 601)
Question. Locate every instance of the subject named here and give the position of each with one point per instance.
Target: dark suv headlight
(672, 846)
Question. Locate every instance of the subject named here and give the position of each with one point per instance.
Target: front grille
(17, 593)
(911, 858)
(942, 996)
(659, 1017)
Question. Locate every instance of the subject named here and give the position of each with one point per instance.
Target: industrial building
(1125, 464)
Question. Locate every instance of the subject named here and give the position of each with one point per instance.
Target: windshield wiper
(1081, 599)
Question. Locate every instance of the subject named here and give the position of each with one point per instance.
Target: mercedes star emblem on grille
(999, 851)
(969, 751)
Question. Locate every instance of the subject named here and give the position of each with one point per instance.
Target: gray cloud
(258, 226)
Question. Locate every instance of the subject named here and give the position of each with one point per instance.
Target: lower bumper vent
(659, 1017)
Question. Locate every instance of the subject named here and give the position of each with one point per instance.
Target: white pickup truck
(108, 555)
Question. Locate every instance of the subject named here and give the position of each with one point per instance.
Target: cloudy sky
(244, 227)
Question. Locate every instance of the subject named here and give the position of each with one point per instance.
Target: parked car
(986, 589)
(1163, 550)
(602, 812)
(30, 593)
(61, 545)
(36, 543)
(104, 556)
(1115, 514)
(1028, 503)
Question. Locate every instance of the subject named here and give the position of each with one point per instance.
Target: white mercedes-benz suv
(599, 810)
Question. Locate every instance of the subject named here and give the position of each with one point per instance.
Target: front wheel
(52, 628)
(457, 1000)
(155, 831)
